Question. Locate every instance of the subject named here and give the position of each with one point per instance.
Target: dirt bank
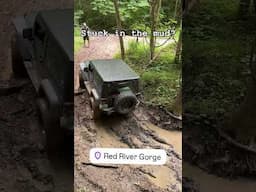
(211, 183)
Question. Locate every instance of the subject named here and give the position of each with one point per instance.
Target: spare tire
(125, 102)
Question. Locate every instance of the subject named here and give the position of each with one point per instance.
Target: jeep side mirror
(27, 33)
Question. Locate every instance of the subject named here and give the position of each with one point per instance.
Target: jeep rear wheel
(18, 67)
(95, 109)
(125, 102)
(81, 81)
(54, 136)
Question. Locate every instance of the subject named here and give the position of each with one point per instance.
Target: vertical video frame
(219, 89)
(127, 91)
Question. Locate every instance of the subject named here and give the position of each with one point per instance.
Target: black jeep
(42, 48)
(112, 85)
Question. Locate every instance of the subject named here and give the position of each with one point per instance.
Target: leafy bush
(78, 40)
(160, 80)
(214, 45)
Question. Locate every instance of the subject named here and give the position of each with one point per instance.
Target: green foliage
(100, 14)
(160, 80)
(77, 17)
(160, 87)
(105, 7)
(78, 41)
(215, 43)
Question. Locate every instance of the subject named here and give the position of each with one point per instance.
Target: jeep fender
(95, 94)
(47, 91)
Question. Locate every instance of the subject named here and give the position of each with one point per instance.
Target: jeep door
(40, 42)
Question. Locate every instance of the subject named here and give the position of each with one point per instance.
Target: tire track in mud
(24, 163)
(135, 131)
(116, 131)
(23, 160)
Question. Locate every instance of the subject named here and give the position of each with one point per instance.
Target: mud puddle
(174, 137)
(123, 132)
(163, 176)
(106, 137)
(134, 131)
(211, 183)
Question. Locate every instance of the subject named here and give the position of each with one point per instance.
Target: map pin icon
(97, 155)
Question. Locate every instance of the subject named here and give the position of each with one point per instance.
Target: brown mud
(24, 163)
(205, 148)
(139, 130)
(212, 183)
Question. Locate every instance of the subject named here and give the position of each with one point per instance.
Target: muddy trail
(24, 163)
(147, 127)
(205, 148)
(196, 179)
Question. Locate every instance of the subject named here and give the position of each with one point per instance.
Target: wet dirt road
(211, 183)
(24, 164)
(136, 131)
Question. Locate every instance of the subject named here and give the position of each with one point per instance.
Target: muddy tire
(125, 102)
(81, 81)
(54, 135)
(18, 67)
(95, 109)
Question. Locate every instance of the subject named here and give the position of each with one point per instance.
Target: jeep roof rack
(112, 70)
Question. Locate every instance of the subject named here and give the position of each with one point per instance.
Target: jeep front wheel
(95, 109)
(54, 137)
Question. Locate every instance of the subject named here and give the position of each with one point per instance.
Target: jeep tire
(125, 102)
(18, 67)
(81, 81)
(54, 136)
(95, 109)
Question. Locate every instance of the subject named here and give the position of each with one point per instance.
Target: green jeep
(112, 85)
(42, 48)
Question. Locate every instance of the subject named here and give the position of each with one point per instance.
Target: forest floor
(147, 127)
(216, 51)
(24, 164)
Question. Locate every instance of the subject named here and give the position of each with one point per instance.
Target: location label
(128, 156)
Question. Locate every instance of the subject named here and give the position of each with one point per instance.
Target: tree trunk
(188, 4)
(178, 49)
(119, 27)
(176, 9)
(154, 14)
